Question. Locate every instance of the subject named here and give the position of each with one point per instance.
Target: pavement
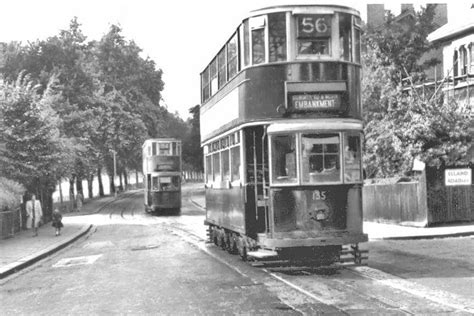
(23, 249)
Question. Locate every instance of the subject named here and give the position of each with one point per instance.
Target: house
(457, 42)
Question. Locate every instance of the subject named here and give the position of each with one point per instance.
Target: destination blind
(316, 101)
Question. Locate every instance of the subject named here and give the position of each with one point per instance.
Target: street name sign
(454, 177)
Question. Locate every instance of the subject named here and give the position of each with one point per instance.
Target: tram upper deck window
(320, 158)
(213, 77)
(277, 37)
(257, 25)
(284, 159)
(222, 75)
(232, 58)
(205, 84)
(357, 25)
(345, 36)
(314, 34)
(164, 149)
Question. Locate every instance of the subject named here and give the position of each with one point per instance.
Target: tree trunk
(99, 178)
(79, 189)
(71, 192)
(136, 178)
(61, 198)
(90, 182)
(112, 184)
(125, 177)
(121, 182)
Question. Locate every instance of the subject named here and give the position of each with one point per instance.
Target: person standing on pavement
(34, 214)
(57, 221)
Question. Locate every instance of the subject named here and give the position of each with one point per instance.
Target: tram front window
(284, 159)
(314, 34)
(169, 183)
(352, 158)
(320, 158)
(155, 184)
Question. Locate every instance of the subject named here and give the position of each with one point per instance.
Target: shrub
(10, 194)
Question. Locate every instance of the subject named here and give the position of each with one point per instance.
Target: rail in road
(346, 290)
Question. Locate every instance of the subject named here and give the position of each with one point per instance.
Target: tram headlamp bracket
(318, 215)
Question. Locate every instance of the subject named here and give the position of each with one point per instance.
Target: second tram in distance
(282, 133)
(162, 174)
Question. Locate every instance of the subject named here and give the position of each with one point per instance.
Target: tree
(401, 126)
(401, 44)
(33, 143)
(192, 152)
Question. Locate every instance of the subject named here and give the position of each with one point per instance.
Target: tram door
(256, 144)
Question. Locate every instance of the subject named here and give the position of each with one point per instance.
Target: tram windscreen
(166, 183)
(352, 158)
(320, 158)
(284, 159)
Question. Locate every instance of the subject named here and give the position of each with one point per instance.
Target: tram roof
(303, 8)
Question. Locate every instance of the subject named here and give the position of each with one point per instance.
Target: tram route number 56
(314, 25)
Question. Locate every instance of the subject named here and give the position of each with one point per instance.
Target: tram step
(262, 254)
(351, 259)
(351, 252)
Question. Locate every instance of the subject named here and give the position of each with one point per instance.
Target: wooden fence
(10, 222)
(396, 203)
(420, 203)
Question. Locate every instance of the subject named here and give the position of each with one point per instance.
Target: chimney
(441, 14)
(407, 7)
(375, 15)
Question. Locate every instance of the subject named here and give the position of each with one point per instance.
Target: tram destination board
(315, 102)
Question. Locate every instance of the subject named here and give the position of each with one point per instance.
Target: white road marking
(98, 244)
(77, 261)
(437, 296)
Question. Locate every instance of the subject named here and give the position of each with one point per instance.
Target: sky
(180, 36)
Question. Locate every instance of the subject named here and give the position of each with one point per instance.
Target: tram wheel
(242, 249)
(232, 245)
(221, 240)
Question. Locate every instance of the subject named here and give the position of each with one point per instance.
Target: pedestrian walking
(57, 221)
(34, 214)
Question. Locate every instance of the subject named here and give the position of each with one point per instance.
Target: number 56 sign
(314, 25)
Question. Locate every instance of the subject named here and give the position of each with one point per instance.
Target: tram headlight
(319, 214)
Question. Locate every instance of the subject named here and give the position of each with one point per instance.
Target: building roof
(454, 29)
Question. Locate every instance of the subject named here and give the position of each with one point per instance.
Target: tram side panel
(225, 207)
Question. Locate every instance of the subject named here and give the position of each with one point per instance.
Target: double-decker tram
(162, 174)
(282, 132)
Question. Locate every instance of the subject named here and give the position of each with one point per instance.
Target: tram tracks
(349, 290)
(119, 206)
